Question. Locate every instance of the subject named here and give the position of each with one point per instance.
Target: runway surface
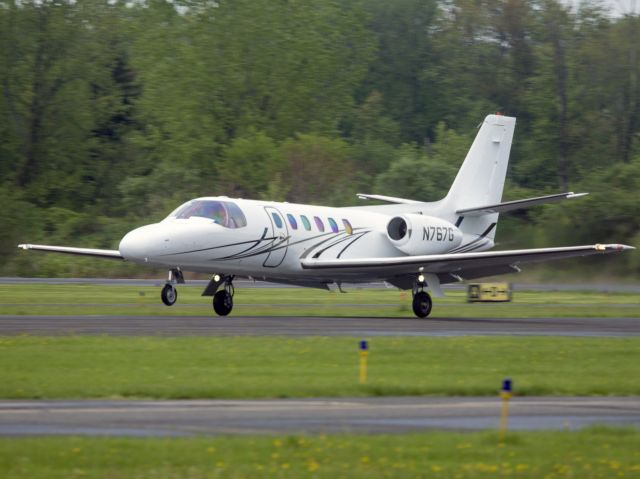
(314, 326)
(361, 415)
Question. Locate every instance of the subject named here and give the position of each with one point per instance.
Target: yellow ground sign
(488, 292)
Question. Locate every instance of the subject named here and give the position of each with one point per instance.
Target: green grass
(591, 453)
(270, 367)
(77, 299)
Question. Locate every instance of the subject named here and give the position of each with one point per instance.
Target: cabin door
(280, 235)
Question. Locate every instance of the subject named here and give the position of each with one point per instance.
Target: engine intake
(397, 228)
(420, 235)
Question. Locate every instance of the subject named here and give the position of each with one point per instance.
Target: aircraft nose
(139, 244)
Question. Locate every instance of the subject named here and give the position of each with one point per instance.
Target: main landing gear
(169, 293)
(223, 299)
(421, 299)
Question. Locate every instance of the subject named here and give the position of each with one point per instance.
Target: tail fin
(481, 177)
(480, 180)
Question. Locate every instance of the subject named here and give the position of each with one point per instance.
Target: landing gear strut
(223, 299)
(421, 300)
(169, 294)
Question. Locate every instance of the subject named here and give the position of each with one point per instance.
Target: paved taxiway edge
(314, 326)
(300, 416)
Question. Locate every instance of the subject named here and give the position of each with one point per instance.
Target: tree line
(113, 113)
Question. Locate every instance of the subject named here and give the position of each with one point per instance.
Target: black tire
(222, 303)
(169, 295)
(422, 304)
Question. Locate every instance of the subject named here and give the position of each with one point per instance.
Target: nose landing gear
(421, 300)
(169, 293)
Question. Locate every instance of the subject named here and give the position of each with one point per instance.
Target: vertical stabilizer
(480, 180)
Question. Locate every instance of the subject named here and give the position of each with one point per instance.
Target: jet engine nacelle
(419, 235)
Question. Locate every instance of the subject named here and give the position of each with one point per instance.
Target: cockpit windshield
(224, 213)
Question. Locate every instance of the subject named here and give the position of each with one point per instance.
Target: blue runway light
(505, 395)
(506, 385)
(363, 345)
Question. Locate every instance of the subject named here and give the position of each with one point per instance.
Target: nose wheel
(223, 299)
(169, 294)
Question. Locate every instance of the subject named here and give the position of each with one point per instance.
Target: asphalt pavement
(299, 416)
(314, 326)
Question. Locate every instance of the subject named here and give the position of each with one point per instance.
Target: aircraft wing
(100, 253)
(489, 262)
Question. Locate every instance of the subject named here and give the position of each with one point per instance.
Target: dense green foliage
(596, 452)
(112, 113)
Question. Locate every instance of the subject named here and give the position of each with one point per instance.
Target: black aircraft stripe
(355, 239)
(224, 245)
(341, 240)
(466, 245)
(471, 247)
(264, 236)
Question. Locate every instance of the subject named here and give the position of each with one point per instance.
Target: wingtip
(576, 195)
(613, 247)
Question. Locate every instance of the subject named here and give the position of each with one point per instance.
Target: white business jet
(409, 244)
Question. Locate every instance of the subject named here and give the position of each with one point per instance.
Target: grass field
(79, 299)
(591, 453)
(272, 367)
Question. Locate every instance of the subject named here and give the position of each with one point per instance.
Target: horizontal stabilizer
(517, 204)
(100, 253)
(387, 199)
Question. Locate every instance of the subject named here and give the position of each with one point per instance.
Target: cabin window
(305, 222)
(224, 213)
(277, 220)
(333, 224)
(347, 226)
(292, 221)
(319, 224)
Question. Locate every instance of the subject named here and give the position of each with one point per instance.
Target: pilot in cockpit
(216, 211)
(224, 213)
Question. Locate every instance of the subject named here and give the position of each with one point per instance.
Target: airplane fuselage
(271, 238)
